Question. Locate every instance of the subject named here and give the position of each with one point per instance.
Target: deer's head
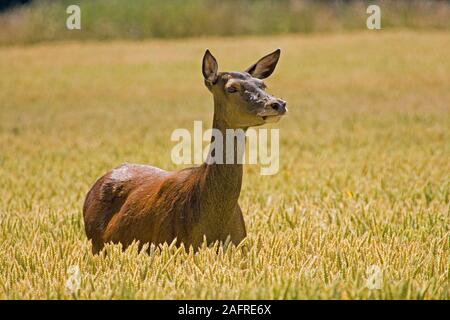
(241, 97)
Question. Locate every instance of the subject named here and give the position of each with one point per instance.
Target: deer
(136, 202)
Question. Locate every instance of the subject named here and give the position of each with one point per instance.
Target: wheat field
(363, 184)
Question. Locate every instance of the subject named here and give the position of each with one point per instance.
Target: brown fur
(139, 202)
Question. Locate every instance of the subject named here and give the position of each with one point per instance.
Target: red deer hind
(148, 204)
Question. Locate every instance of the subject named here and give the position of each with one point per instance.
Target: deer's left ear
(265, 66)
(209, 67)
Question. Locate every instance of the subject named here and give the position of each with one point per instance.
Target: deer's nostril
(274, 105)
(277, 106)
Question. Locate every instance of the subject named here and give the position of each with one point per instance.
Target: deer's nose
(279, 106)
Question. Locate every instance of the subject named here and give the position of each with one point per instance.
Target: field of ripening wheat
(359, 208)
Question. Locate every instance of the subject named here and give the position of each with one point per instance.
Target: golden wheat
(363, 181)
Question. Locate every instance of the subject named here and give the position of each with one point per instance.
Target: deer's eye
(231, 89)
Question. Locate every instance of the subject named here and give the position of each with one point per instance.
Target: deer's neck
(222, 181)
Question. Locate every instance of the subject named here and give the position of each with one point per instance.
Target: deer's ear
(209, 67)
(265, 66)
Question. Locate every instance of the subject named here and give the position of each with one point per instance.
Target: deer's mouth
(272, 118)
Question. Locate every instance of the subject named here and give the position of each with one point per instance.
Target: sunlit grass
(364, 171)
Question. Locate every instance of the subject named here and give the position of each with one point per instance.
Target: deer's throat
(223, 179)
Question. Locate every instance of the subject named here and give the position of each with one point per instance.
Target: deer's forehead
(237, 75)
(241, 78)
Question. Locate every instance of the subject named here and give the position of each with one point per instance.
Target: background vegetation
(43, 20)
(364, 177)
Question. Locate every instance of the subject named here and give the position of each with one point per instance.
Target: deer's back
(107, 198)
(139, 202)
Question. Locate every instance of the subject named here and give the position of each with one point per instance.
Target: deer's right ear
(209, 68)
